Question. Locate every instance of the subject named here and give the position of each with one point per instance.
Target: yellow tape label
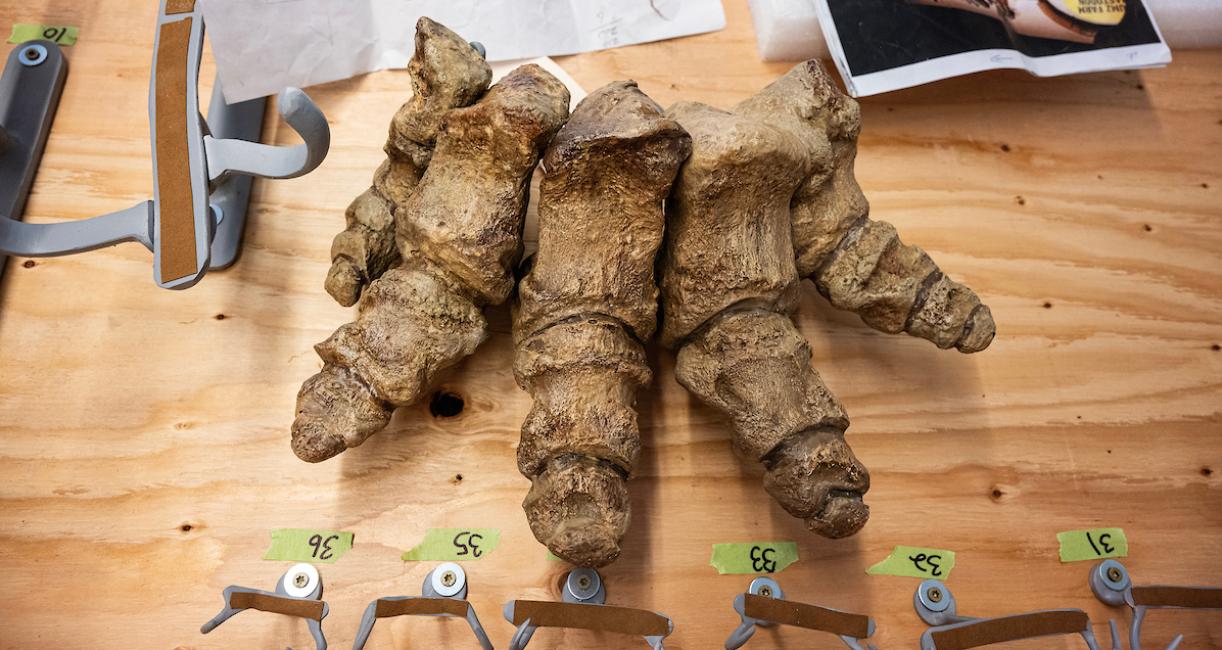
(1095, 12)
(753, 557)
(455, 544)
(58, 34)
(916, 562)
(307, 545)
(1093, 544)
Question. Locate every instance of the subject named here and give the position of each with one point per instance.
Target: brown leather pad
(311, 609)
(176, 238)
(811, 617)
(1012, 628)
(1194, 597)
(179, 7)
(420, 607)
(602, 618)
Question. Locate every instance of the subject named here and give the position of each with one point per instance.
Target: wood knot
(445, 404)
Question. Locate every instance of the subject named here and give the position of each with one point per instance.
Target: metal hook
(1111, 584)
(444, 593)
(583, 607)
(298, 593)
(230, 156)
(936, 605)
(764, 605)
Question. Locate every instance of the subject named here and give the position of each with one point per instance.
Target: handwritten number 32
(469, 547)
(932, 568)
(323, 546)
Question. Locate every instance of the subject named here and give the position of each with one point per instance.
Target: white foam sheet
(788, 30)
(261, 46)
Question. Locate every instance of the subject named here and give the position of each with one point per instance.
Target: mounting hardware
(584, 596)
(298, 593)
(763, 605)
(444, 593)
(201, 170)
(1110, 582)
(936, 605)
(30, 88)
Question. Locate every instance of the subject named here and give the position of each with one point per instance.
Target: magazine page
(883, 45)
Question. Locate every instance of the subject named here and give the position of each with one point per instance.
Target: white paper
(910, 64)
(262, 46)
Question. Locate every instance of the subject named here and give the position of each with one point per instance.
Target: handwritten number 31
(1103, 542)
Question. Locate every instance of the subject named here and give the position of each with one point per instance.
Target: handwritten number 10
(54, 33)
(323, 546)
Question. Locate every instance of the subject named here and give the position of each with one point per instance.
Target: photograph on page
(882, 45)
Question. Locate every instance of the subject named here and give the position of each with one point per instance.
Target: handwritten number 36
(323, 546)
(470, 546)
(761, 560)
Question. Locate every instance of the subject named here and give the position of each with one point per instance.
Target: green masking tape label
(553, 557)
(753, 557)
(1093, 544)
(916, 562)
(59, 34)
(455, 544)
(306, 545)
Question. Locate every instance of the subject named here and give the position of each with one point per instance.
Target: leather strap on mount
(311, 609)
(420, 607)
(1190, 597)
(1012, 628)
(603, 618)
(811, 617)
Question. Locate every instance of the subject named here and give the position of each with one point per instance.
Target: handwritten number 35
(470, 546)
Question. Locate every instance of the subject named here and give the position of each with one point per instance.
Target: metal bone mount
(1111, 583)
(936, 606)
(444, 593)
(584, 607)
(201, 170)
(763, 605)
(298, 593)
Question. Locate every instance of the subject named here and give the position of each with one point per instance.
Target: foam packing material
(788, 30)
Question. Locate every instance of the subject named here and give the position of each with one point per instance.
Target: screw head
(935, 595)
(1113, 574)
(448, 578)
(301, 579)
(766, 592)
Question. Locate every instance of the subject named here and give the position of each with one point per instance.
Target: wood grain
(144, 433)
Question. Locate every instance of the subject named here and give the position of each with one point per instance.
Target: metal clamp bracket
(30, 88)
(444, 593)
(936, 606)
(584, 607)
(763, 605)
(201, 170)
(298, 593)
(1110, 582)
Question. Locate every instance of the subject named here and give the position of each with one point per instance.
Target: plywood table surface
(144, 433)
